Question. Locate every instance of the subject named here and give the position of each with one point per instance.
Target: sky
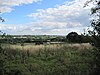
(44, 17)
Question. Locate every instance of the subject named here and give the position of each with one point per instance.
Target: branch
(1, 19)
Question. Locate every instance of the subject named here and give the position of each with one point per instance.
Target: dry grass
(81, 46)
(32, 47)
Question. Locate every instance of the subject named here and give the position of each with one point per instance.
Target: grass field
(32, 47)
(56, 59)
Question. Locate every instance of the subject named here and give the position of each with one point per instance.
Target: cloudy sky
(44, 17)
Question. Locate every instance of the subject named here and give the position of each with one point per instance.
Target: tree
(73, 37)
(95, 23)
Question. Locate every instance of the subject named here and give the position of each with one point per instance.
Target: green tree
(73, 37)
(95, 23)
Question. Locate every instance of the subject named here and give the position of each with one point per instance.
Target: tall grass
(57, 59)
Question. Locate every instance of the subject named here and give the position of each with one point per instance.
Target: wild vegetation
(95, 33)
(60, 59)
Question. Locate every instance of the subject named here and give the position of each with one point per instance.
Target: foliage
(14, 39)
(1, 19)
(63, 60)
(95, 23)
(75, 38)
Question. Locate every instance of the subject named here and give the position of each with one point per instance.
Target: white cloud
(6, 5)
(59, 12)
(5, 9)
(17, 2)
(71, 16)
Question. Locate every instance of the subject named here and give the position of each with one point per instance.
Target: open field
(56, 59)
(32, 47)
